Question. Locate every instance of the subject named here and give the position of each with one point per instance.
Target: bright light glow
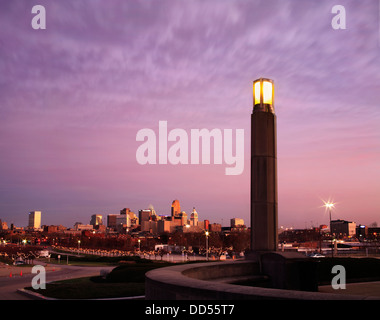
(267, 92)
(257, 92)
(329, 205)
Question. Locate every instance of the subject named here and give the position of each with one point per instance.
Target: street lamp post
(78, 246)
(264, 208)
(207, 233)
(329, 206)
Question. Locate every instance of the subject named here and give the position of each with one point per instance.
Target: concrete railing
(204, 281)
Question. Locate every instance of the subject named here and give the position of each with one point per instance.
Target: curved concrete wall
(199, 282)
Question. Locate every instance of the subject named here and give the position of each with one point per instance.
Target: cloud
(75, 95)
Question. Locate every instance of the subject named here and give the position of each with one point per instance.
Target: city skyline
(93, 218)
(223, 222)
(76, 94)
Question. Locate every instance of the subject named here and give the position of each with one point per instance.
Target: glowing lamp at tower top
(263, 95)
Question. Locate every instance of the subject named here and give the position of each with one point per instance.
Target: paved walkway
(360, 288)
(22, 276)
(9, 285)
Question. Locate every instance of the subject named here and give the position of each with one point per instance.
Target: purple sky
(73, 96)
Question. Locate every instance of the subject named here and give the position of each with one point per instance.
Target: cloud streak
(73, 97)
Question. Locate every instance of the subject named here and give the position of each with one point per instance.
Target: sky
(74, 95)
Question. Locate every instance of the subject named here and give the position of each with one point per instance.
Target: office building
(149, 226)
(79, 226)
(176, 208)
(144, 215)
(237, 222)
(343, 228)
(215, 227)
(122, 222)
(111, 221)
(132, 216)
(96, 219)
(163, 225)
(34, 220)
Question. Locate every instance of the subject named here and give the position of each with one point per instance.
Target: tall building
(183, 216)
(34, 220)
(96, 219)
(3, 225)
(237, 222)
(151, 208)
(144, 215)
(132, 216)
(125, 211)
(122, 221)
(194, 218)
(111, 221)
(149, 226)
(176, 208)
(163, 225)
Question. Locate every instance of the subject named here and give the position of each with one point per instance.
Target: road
(55, 272)
(10, 285)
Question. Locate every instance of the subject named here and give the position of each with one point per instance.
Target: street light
(139, 241)
(329, 205)
(207, 233)
(264, 205)
(263, 95)
(78, 246)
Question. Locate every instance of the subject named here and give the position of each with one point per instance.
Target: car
(316, 255)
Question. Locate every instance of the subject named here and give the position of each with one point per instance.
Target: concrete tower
(263, 168)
